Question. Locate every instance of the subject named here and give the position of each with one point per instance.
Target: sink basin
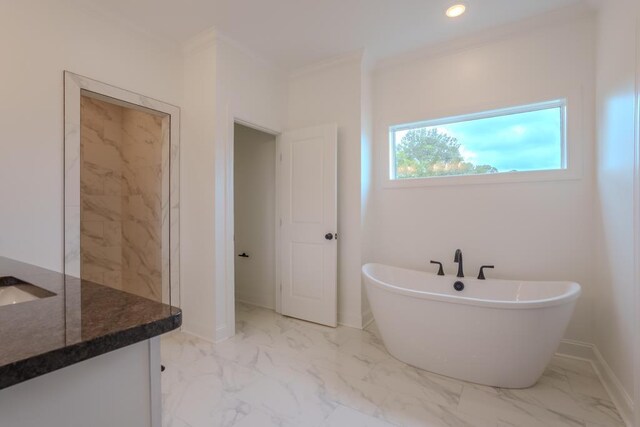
(16, 291)
(15, 295)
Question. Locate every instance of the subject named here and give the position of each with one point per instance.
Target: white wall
(253, 91)
(529, 230)
(637, 224)
(223, 82)
(366, 179)
(615, 257)
(255, 216)
(250, 88)
(331, 93)
(197, 235)
(38, 40)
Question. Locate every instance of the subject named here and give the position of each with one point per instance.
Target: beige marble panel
(142, 140)
(93, 230)
(141, 251)
(113, 279)
(100, 208)
(101, 258)
(142, 207)
(100, 202)
(92, 179)
(121, 208)
(106, 155)
(142, 179)
(144, 285)
(112, 233)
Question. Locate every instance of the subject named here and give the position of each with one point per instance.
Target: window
(527, 138)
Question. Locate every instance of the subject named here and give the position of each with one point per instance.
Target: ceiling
(295, 33)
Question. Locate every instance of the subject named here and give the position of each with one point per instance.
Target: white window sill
(496, 178)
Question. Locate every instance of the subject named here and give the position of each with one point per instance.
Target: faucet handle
(481, 274)
(440, 270)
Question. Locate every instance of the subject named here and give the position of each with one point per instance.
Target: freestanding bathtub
(501, 333)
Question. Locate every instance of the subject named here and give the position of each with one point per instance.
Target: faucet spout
(458, 258)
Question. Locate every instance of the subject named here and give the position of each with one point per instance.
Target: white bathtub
(500, 333)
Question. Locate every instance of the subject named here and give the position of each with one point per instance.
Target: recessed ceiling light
(456, 10)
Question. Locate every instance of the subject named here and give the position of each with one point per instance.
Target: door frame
(75, 86)
(229, 217)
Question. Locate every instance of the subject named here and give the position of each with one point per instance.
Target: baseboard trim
(245, 300)
(367, 318)
(200, 337)
(350, 320)
(590, 353)
(343, 319)
(577, 350)
(223, 333)
(189, 329)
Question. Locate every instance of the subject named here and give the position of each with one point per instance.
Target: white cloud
(444, 131)
(467, 155)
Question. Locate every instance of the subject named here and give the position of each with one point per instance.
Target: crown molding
(334, 61)
(200, 41)
(246, 51)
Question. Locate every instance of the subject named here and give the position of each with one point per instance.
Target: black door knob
(328, 236)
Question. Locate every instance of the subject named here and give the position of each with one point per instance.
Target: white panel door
(308, 210)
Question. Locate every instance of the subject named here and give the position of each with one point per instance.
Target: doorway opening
(255, 219)
(281, 197)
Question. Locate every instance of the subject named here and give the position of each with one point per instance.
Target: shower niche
(121, 189)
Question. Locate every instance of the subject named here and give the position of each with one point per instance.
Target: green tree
(426, 152)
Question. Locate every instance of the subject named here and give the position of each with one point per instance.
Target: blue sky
(523, 141)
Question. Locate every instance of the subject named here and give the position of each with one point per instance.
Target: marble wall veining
(121, 197)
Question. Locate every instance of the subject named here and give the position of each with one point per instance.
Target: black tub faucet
(458, 258)
(440, 270)
(481, 274)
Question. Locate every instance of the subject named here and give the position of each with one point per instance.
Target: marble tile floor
(279, 371)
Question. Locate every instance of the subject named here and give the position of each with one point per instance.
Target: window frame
(568, 169)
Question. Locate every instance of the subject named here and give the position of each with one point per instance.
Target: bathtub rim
(574, 292)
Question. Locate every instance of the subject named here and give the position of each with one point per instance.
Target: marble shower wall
(121, 197)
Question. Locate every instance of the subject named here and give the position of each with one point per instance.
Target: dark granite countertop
(80, 321)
